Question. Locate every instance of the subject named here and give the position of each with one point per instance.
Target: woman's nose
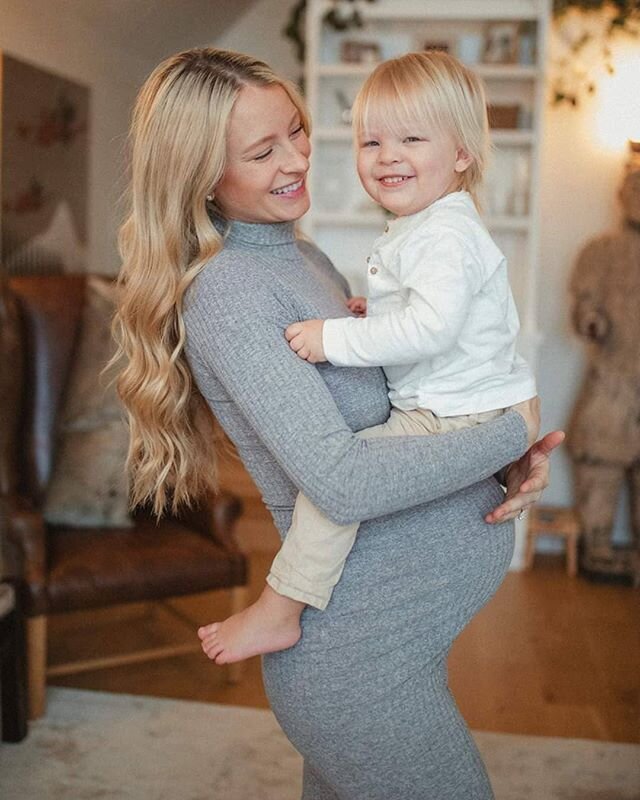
(295, 161)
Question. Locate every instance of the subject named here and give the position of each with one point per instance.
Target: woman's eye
(297, 130)
(264, 155)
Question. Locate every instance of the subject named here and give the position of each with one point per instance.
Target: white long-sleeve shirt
(441, 319)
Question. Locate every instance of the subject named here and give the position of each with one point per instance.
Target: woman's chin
(291, 210)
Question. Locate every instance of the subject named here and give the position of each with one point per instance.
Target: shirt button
(368, 259)
(373, 270)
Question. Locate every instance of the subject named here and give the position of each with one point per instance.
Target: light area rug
(99, 746)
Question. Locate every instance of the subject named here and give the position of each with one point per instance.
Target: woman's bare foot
(272, 623)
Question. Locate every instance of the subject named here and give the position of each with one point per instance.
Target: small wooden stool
(553, 521)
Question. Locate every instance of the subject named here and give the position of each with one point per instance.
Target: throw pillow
(89, 486)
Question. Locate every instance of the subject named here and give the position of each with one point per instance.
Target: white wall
(259, 32)
(46, 35)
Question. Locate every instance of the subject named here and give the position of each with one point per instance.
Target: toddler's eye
(413, 139)
(370, 143)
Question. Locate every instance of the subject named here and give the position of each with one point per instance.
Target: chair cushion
(89, 484)
(91, 568)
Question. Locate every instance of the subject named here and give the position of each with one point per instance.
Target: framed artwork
(354, 51)
(44, 155)
(501, 43)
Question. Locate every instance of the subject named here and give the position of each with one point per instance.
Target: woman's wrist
(529, 410)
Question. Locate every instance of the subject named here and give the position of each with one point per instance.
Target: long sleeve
(439, 275)
(238, 334)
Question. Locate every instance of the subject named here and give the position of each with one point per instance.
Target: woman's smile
(292, 190)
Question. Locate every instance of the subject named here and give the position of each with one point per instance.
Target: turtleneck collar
(263, 234)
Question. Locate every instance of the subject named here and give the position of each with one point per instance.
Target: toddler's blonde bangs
(394, 98)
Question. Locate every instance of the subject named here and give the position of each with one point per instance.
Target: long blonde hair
(436, 88)
(178, 148)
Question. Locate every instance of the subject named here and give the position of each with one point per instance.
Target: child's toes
(214, 651)
(209, 642)
(207, 630)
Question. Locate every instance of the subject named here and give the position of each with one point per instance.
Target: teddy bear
(604, 433)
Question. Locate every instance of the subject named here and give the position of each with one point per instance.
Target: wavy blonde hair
(437, 89)
(178, 150)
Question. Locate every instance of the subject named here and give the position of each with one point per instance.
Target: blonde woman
(212, 276)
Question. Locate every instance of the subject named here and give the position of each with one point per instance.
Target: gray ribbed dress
(363, 695)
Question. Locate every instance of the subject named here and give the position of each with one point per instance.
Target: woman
(212, 276)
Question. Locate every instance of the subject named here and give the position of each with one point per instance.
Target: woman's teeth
(293, 187)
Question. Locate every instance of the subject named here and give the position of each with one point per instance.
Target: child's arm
(440, 278)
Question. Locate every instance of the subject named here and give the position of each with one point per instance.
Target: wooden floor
(549, 655)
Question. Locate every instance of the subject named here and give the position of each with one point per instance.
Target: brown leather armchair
(61, 569)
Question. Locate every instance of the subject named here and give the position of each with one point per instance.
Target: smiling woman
(212, 275)
(267, 158)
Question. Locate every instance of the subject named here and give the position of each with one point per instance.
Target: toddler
(439, 317)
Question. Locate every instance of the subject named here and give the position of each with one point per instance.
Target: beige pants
(313, 554)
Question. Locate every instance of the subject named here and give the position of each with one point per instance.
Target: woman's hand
(526, 479)
(529, 410)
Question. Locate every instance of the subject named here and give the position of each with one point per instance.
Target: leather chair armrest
(216, 519)
(26, 543)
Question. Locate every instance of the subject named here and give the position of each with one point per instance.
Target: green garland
(339, 17)
(626, 9)
(571, 82)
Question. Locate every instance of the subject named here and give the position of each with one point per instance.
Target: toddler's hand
(358, 306)
(305, 339)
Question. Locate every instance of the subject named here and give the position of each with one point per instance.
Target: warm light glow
(618, 114)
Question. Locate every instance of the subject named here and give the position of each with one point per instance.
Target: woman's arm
(239, 335)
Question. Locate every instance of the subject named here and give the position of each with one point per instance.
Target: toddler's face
(407, 170)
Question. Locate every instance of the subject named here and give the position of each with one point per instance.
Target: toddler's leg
(312, 556)
(305, 570)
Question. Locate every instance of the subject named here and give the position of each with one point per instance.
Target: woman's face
(267, 159)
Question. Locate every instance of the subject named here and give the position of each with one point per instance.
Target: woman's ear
(463, 160)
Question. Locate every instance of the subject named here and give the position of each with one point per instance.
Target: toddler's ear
(463, 160)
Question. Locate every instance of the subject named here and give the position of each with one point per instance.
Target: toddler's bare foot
(272, 623)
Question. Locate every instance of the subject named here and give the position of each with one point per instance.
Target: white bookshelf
(344, 221)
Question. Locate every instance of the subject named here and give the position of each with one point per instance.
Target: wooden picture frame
(501, 43)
